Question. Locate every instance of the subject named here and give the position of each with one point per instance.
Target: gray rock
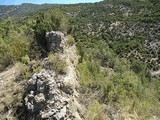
(61, 114)
(32, 81)
(29, 101)
(67, 90)
(40, 87)
(52, 84)
(34, 77)
(31, 84)
(30, 107)
(40, 98)
(54, 39)
(47, 115)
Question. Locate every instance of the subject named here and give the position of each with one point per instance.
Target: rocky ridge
(51, 95)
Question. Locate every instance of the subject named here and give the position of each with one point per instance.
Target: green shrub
(25, 59)
(57, 63)
(13, 50)
(138, 66)
(71, 40)
(37, 69)
(94, 110)
(47, 21)
(90, 74)
(26, 73)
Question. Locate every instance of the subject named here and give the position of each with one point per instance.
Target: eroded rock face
(55, 41)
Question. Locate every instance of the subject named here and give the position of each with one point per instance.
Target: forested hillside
(22, 10)
(118, 44)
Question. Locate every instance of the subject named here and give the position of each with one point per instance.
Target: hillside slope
(16, 11)
(103, 65)
(130, 28)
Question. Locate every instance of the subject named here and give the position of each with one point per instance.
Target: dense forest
(118, 42)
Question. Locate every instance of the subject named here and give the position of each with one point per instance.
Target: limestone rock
(40, 98)
(55, 40)
(51, 98)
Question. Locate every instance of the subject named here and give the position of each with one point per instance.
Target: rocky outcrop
(51, 95)
(55, 41)
(48, 98)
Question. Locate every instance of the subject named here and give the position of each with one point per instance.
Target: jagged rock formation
(55, 40)
(51, 95)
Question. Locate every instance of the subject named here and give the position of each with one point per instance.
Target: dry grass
(57, 63)
(10, 98)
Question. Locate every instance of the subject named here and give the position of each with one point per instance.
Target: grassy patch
(71, 40)
(10, 98)
(94, 110)
(57, 63)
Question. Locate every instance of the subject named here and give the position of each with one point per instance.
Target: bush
(94, 109)
(14, 50)
(71, 40)
(25, 59)
(138, 66)
(26, 73)
(57, 63)
(48, 21)
(90, 74)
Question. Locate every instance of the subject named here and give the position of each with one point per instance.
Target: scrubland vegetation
(111, 37)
